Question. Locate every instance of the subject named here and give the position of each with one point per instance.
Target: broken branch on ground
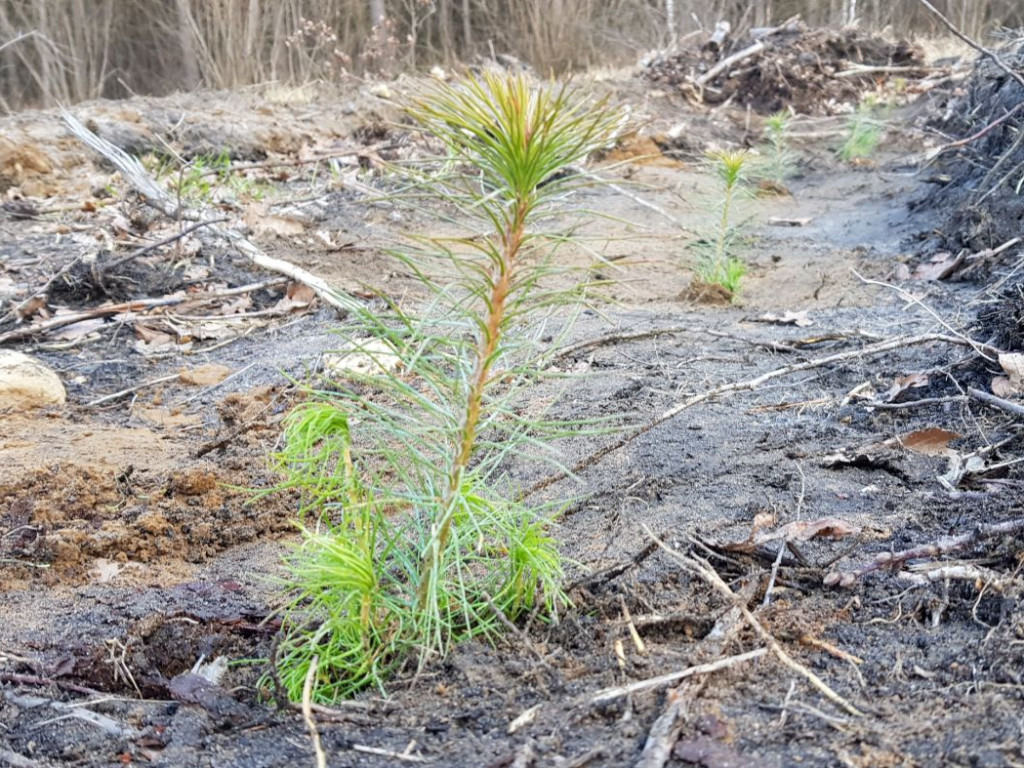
(140, 180)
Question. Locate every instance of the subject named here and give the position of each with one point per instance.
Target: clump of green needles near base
(413, 535)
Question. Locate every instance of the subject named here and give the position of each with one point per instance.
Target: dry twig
(160, 243)
(976, 46)
(665, 731)
(728, 61)
(935, 549)
(307, 713)
(611, 694)
(108, 310)
(407, 758)
(130, 390)
(710, 575)
(996, 402)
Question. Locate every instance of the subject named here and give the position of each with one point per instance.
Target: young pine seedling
(863, 134)
(413, 534)
(716, 264)
(779, 161)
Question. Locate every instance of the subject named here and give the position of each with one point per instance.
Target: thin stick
(935, 549)
(996, 402)
(917, 403)
(774, 575)
(750, 384)
(26, 36)
(611, 694)
(307, 713)
(389, 753)
(160, 243)
(857, 69)
(105, 310)
(130, 390)
(665, 731)
(975, 136)
(207, 390)
(635, 198)
(18, 679)
(724, 64)
(711, 576)
(981, 349)
(980, 49)
(140, 305)
(618, 338)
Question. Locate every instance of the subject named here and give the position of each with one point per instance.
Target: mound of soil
(782, 67)
(984, 158)
(87, 500)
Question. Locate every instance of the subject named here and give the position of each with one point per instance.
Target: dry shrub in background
(70, 50)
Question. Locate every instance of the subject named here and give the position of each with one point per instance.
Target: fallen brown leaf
(30, 307)
(805, 530)
(298, 296)
(933, 441)
(903, 383)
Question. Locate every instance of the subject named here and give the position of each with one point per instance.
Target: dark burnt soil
(129, 553)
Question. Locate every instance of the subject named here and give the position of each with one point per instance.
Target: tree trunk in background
(377, 12)
(444, 28)
(673, 30)
(467, 30)
(252, 25)
(186, 43)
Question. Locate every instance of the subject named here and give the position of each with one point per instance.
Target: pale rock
(372, 357)
(27, 383)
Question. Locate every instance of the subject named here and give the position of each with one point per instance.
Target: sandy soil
(132, 544)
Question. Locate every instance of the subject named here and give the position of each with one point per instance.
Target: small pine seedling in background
(863, 133)
(779, 161)
(199, 180)
(413, 534)
(716, 264)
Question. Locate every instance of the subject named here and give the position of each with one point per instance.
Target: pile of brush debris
(812, 71)
(981, 159)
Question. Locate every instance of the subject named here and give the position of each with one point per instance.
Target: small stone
(27, 383)
(206, 375)
(372, 357)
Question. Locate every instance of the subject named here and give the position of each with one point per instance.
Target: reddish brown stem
(487, 346)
